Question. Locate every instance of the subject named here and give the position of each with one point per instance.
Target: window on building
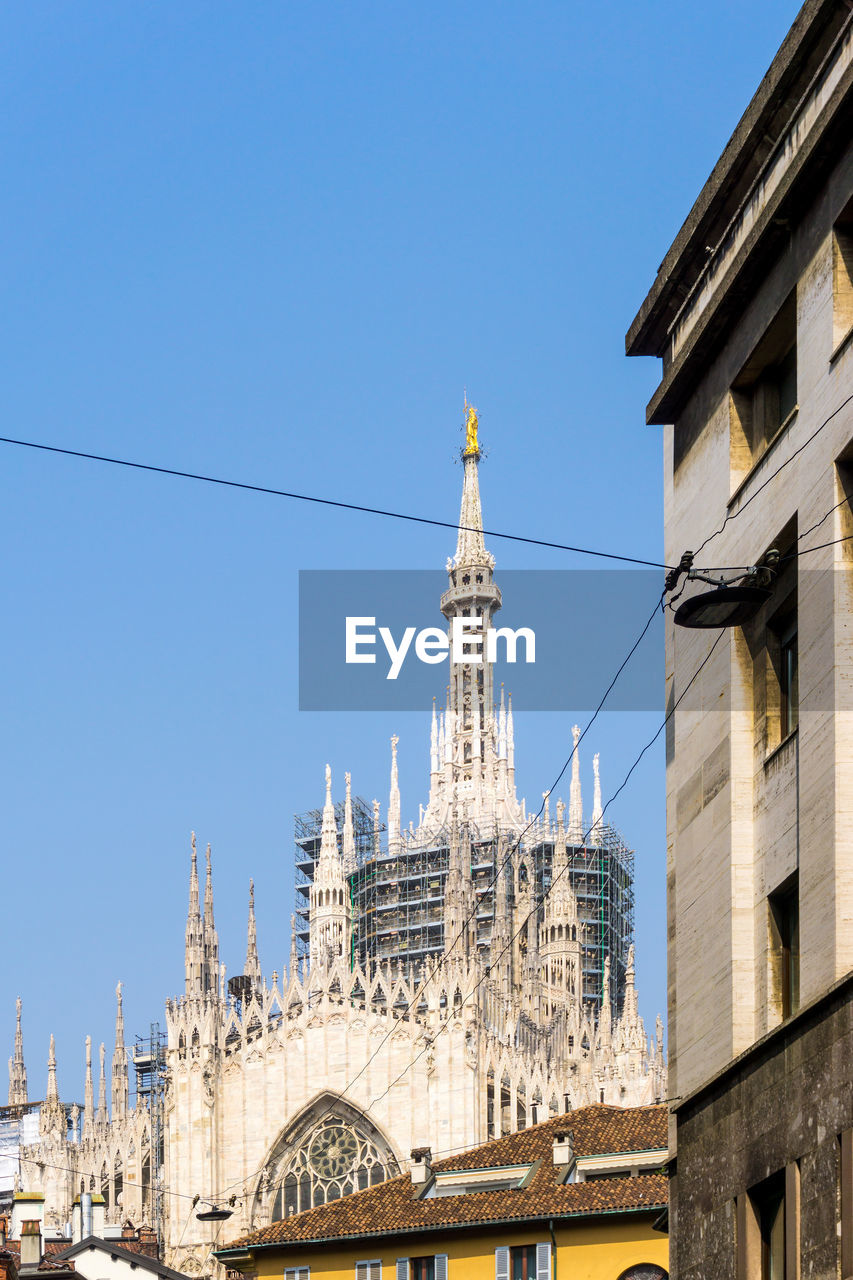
(783, 702)
(768, 1202)
(523, 1262)
(842, 277)
(371, 1270)
(784, 907)
(432, 1267)
(297, 1273)
(645, 1271)
(326, 1159)
(764, 394)
(789, 682)
(773, 642)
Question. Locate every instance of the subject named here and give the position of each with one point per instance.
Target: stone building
(752, 315)
(286, 1091)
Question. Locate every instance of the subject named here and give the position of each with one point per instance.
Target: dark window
(522, 1262)
(769, 1202)
(785, 945)
(789, 681)
(422, 1268)
(764, 394)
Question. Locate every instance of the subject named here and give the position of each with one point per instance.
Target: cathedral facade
(276, 1092)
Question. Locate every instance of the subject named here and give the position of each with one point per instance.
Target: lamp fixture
(733, 601)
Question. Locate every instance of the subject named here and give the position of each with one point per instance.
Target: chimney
(99, 1215)
(148, 1241)
(2, 1232)
(421, 1166)
(564, 1148)
(127, 1231)
(30, 1244)
(27, 1206)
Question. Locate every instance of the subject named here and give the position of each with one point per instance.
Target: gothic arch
(328, 1150)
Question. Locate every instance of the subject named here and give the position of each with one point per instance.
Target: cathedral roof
(395, 1206)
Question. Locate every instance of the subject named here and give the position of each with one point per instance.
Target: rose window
(333, 1151)
(334, 1158)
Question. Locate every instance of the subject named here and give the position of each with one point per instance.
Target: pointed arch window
(330, 1153)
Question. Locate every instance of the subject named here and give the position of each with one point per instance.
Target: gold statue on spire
(472, 422)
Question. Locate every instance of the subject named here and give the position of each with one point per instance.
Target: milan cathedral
(286, 1090)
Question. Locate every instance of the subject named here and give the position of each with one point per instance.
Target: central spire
(470, 762)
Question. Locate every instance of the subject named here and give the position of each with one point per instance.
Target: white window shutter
(543, 1261)
(361, 1271)
(441, 1266)
(502, 1263)
(402, 1269)
(376, 1271)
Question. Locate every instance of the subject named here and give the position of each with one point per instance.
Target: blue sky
(275, 242)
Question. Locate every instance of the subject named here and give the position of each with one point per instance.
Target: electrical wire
(329, 502)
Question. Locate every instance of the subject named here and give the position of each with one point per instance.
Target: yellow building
(575, 1198)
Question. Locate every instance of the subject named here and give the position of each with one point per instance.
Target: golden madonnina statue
(471, 424)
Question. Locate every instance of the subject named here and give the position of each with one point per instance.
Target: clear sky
(275, 242)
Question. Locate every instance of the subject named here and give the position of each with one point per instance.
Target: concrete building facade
(752, 316)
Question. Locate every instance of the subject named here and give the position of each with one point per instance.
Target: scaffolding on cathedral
(149, 1062)
(397, 894)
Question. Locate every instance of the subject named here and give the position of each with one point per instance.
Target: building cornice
(755, 137)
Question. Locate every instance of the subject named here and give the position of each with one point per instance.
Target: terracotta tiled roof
(48, 1263)
(391, 1207)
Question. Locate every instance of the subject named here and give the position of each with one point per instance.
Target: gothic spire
(576, 831)
(394, 801)
(89, 1098)
(294, 956)
(629, 1007)
(52, 1114)
(349, 831)
(433, 742)
(52, 1096)
(329, 832)
(118, 1079)
(253, 966)
(17, 1070)
(376, 849)
(194, 950)
(596, 801)
(102, 1117)
(330, 924)
(210, 938)
(605, 1017)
